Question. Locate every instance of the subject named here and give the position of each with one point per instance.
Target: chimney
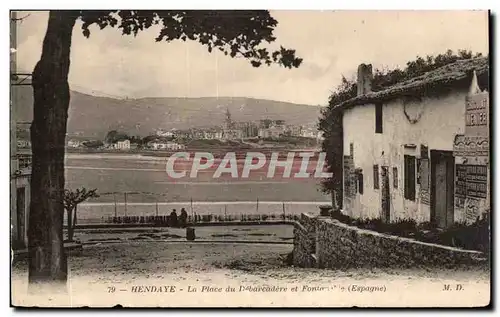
(365, 76)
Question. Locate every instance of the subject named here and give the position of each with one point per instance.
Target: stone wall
(340, 246)
(304, 242)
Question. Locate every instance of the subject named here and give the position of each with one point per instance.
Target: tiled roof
(447, 75)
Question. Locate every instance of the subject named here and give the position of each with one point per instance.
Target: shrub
(475, 236)
(325, 210)
(342, 218)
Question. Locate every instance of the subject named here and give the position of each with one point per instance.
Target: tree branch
(20, 19)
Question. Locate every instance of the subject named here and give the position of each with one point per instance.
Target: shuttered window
(360, 182)
(395, 177)
(375, 177)
(378, 118)
(409, 177)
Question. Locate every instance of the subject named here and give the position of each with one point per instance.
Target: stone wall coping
(300, 226)
(308, 215)
(392, 237)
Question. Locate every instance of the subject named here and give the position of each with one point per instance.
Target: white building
(163, 133)
(309, 133)
(213, 134)
(409, 151)
(157, 145)
(272, 132)
(263, 133)
(74, 143)
(174, 146)
(122, 145)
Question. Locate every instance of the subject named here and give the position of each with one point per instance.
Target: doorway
(442, 188)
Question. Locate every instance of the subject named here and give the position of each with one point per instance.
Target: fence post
(125, 199)
(257, 205)
(116, 208)
(156, 207)
(192, 212)
(284, 214)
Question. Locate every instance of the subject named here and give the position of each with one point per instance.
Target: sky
(332, 44)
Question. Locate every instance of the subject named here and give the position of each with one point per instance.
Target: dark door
(20, 215)
(442, 188)
(386, 196)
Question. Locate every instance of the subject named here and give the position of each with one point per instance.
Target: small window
(395, 177)
(375, 177)
(409, 177)
(378, 118)
(360, 182)
(418, 171)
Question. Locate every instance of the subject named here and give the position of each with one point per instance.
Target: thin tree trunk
(337, 158)
(47, 260)
(74, 222)
(69, 213)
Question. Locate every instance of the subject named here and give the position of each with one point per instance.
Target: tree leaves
(385, 78)
(114, 136)
(235, 33)
(74, 197)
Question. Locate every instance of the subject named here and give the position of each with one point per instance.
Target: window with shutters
(378, 118)
(375, 177)
(418, 171)
(409, 174)
(360, 181)
(395, 177)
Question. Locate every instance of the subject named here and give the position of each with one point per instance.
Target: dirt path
(272, 233)
(127, 265)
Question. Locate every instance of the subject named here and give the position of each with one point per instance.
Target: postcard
(239, 158)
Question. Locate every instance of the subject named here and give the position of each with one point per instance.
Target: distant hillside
(95, 116)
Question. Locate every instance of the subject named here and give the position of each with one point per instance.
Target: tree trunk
(47, 260)
(69, 213)
(337, 159)
(74, 222)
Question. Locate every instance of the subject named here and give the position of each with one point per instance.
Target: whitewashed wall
(437, 121)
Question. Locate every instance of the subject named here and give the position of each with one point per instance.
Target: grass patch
(473, 236)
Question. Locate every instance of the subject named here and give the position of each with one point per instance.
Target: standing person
(173, 219)
(183, 218)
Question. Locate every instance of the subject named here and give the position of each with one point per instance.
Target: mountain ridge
(94, 116)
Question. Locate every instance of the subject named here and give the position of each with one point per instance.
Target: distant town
(270, 133)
